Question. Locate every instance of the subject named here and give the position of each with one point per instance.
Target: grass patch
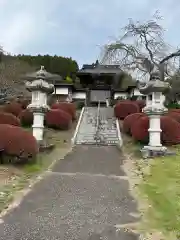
(28, 172)
(158, 190)
(32, 168)
(161, 185)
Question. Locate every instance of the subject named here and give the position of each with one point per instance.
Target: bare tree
(1, 53)
(141, 48)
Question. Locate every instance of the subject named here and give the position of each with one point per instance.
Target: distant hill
(55, 64)
(12, 67)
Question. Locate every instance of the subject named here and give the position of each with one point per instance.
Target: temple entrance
(99, 96)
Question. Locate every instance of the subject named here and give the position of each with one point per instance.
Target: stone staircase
(107, 126)
(98, 126)
(87, 128)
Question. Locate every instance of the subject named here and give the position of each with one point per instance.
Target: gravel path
(85, 197)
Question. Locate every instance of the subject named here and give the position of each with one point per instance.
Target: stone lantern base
(38, 120)
(152, 151)
(155, 148)
(38, 125)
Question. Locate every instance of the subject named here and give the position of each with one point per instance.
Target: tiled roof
(100, 69)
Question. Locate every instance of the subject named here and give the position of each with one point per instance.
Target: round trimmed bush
(26, 117)
(8, 118)
(123, 109)
(58, 119)
(17, 142)
(13, 107)
(174, 110)
(130, 120)
(2, 108)
(174, 115)
(170, 130)
(67, 107)
(141, 104)
(24, 103)
(139, 130)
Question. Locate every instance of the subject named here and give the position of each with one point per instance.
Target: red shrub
(174, 110)
(8, 118)
(2, 108)
(58, 119)
(24, 103)
(130, 120)
(139, 129)
(67, 107)
(13, 107)
(17, 142)
(170, 130)
(123, 109)
(26, 117)
(174, 115)
(141, 104)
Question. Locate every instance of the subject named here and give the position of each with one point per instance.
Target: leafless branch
(172, 55)
(142, 47)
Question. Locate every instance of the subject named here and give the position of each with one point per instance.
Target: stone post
(40, 89)
(154, 108)
(69, 97)
(107, 102)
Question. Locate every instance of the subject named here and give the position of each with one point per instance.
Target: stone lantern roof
(42, 74)
(40, 85)
(38, 81)
(154, 84)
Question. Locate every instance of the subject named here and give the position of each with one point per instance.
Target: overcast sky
(77, 28)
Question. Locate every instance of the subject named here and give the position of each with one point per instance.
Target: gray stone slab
(104, 126)
(72, 208)
(105, 160)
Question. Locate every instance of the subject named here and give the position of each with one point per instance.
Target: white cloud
(19, 32)
(76, 28)
(23, 23)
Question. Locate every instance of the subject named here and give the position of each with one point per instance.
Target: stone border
(119, 134)
(77, 126)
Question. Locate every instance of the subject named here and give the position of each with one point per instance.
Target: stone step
(107, 130)
(81, 137)
(108, 137)
(85, 137)
(87, 133)
(113, 143)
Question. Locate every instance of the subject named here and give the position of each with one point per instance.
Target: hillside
(10, 71)
(12, 67)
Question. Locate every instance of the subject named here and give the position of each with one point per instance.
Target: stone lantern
(40, 84)
(154, 90)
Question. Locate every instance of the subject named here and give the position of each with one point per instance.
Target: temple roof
(99, 69)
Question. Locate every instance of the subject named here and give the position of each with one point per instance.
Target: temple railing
(77, 126)
(96, 135)
(98, 116)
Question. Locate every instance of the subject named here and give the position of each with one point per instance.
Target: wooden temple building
(97, 83)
